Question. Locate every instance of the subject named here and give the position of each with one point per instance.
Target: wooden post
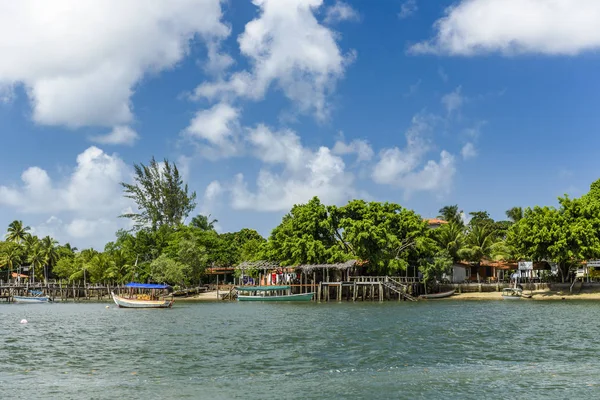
(354, 291)
(380, 292)
(319, 292)
(340, 292)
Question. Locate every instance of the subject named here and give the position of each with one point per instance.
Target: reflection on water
(426, 350)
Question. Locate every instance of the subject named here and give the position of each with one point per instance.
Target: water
(427, 350)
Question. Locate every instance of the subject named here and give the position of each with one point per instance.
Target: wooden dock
(61, 291)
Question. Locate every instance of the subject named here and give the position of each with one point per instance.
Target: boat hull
(31, 300)
(132, 303)
(505, 297)
(290, 297)
(437, 295)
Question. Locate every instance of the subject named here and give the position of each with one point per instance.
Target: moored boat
(144, 300)
(31, 299)
(269, 293)
(437, 295)
(512, 293)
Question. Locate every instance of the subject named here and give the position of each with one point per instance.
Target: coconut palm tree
(11, 257)
(203, 222)
(17, 233)
(49, 247)
(451, 237)
(36, 258)
(451, 214)
(515, 214)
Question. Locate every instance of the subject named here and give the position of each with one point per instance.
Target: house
(434, 223)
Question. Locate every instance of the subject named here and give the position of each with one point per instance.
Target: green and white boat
(270, 293)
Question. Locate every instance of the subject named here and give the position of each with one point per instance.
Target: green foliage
(167, 270)
(450, 238)
(160, 195)
(451, 214)
(434, 268)
(203, 222)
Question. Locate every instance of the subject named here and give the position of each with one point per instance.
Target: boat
(141, 299)
(512, 293)
(437, 295)
(36, 297)
(269, 293)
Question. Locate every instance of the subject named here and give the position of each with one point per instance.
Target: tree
(515, 214)
(160, 195)
(480, 244)
(450, 238)
(49, 249)
(17, 232)
(166, 270)
(386, 235)
(480, 218)
(451, 214)
(36, 257)
(11, 255)
(305, 236)
(202, 222)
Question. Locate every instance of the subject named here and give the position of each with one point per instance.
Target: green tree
(515, 214)
(203, 222)
(480, 244)
(17, 232)
(160, 195)
(385, 235)
(451, 214)
(450, 238)
(166, 270)
(51, 255)
(305, 236)
(11, 255)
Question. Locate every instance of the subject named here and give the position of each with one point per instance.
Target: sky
(263, 104)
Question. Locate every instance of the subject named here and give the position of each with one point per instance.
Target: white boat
(512, 293)
(31, 299)
(144, 295)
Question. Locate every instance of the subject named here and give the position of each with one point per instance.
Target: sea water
(426, 350)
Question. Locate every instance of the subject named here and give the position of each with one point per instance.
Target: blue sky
(487, 104)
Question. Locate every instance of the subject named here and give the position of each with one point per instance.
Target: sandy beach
(539, 295)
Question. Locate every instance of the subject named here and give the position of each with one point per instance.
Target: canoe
(437, 295)
(134, 303)
(287, 297)
(31, 299)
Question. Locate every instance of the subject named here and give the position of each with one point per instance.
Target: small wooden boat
(437, 295)
(144, 300)
(31, 299)
(269, 293)
(512, 293)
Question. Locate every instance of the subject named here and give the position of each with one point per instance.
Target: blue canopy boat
(269, 293)
(143, 299)
(36, 297)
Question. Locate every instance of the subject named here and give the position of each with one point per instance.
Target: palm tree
(11, 257)
(49, 248)
(451, 237)
(36, 258)
(481, 243)
(515, 214)
(202, 222)
(451, 214)
(17, 233)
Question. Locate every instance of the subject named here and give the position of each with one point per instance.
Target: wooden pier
(62, 291)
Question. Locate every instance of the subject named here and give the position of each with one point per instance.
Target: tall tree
(515, 214)
(451, 238)
(49, 248)
(160, 195)
(17, 232)
(11, 255)
(203, 222)
(451, 214)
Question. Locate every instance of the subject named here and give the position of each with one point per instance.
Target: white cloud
(453, 101)
(402, 167)
(407, 9)
(119, 135)
(303, 173)
(468, 151)
(360, 147)
(90, 196)
(516, 26)
(340, 11)
(80, 61)
(219, 127)
(6, 93)
(286, 47)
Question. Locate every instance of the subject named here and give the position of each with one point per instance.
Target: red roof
(435, 221)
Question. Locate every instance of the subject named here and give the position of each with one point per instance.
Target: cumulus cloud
(407, 9)
(360, 147)
(404, 167)
(81, 206)
(468, 151)
(516, 26)
(79, 61)
(217, 128)
(119, 135)
(305, 67)
(340, 11)
(302, 173)
(453, 101)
